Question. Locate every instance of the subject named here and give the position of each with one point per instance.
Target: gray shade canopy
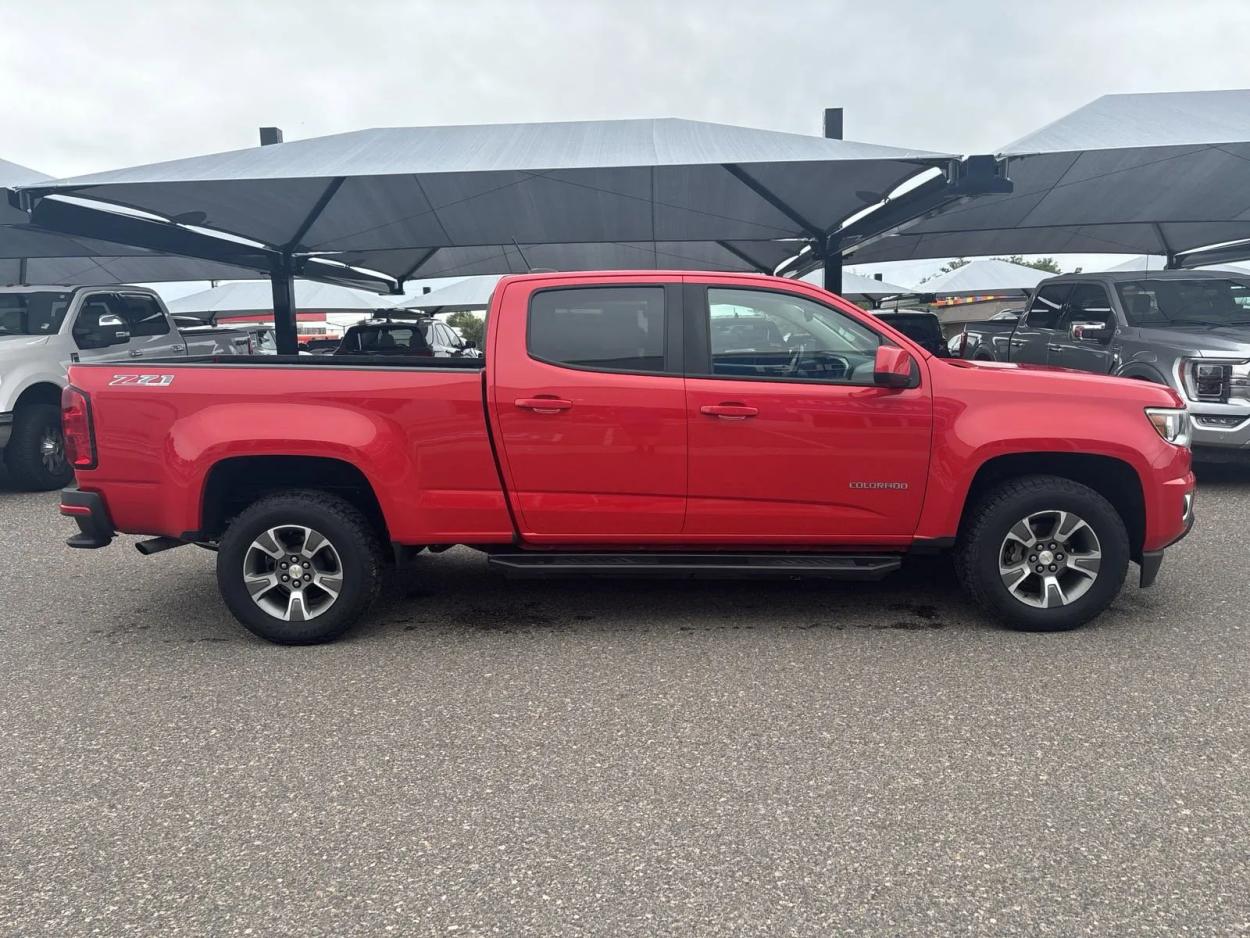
(33, 255)
(993, 276)
(256, 297)
(394, 199)
(466, 294)
(1127, 173)
(854, 284)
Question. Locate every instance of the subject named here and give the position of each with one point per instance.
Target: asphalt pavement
(620, 758)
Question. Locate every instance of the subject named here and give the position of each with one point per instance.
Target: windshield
(1216, 302)
(32, 313)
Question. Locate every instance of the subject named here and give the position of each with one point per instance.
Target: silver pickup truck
(1188, 329)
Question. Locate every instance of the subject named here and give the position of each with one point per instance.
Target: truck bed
(415, 428)
(327, 361)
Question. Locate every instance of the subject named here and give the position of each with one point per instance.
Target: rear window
(407, 339)
(602, 328)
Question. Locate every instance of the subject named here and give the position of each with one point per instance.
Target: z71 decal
(151, 381)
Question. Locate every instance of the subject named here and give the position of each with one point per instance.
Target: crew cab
(635, 423)
(1187, 329)
(44, 329)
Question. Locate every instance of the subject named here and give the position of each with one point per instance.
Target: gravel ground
(620, 758)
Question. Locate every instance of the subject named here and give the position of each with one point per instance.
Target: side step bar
(538, 564)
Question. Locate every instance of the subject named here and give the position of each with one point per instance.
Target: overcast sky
(98, 84)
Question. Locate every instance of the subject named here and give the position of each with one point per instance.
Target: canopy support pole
(282, 279)
(831, 259)
(21, 272)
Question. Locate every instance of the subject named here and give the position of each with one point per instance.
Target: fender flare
(1142, 371)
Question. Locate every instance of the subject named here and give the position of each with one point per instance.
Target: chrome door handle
(135, 353)
(1055, 348)
(177, 348)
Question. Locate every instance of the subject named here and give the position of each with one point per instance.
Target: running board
(538, 564)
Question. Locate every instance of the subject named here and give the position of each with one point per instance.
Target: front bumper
(1152, 560)
(95, 528)
(6, 428)
(1222, 426)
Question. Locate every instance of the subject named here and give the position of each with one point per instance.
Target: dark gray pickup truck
(1188, 329)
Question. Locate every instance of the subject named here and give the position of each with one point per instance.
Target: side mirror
(108, 330)
(1089, 332)
(469, 343)
(892, 368)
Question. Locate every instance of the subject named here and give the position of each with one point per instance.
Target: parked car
(1187, 329)
(647, 423)
(422, 337)
(321, 346)
(44, 329)
(922, 327)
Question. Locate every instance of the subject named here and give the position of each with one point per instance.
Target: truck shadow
(455, 592)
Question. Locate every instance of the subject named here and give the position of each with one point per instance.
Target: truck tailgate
(418, 435)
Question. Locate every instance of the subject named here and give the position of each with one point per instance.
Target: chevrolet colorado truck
(646, 424)
(1187, 329)
(44, 329)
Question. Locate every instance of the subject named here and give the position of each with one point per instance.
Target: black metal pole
(833, 123)
(21, 272)
(285, 334)
(833, 271)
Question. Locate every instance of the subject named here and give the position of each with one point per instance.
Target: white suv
(43, 330)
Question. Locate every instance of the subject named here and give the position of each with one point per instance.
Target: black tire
(29, 465)
(983, 540)
(356, 549)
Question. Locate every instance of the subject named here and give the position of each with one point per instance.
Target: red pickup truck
(640, 423)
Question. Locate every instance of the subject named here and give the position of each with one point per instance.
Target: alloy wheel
(293, 572)
(52, 450)
(1049, 559)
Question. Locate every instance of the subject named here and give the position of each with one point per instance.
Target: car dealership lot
(620, 757)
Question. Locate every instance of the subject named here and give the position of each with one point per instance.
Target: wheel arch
(40, 391)
(1114, 479)
(235, 482)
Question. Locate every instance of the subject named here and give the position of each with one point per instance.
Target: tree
(948, 267)
(470, 325)
(1048, 264)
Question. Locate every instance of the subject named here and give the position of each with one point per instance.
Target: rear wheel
(35, 453)
(299, 568)
(1043, 553)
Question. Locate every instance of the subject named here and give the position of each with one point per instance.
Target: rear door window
(599, 328)
(1047, 306)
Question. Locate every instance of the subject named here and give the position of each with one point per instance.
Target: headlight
(1215, 380)
(1172, 424)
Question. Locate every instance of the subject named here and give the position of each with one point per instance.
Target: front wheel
(1043, 553)
(299, 568)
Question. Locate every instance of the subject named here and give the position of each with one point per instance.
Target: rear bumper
(95, 528)
(6, 428)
